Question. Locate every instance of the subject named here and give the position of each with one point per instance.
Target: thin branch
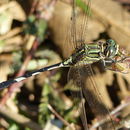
(57, 115)
(113, 113)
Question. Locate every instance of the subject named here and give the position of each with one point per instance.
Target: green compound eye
(111, 48)
(111, 42)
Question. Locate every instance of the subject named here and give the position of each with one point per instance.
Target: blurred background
(35, 34)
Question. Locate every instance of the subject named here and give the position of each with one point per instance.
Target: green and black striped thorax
(93, 52)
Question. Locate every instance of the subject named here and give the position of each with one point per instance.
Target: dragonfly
(80, 64)
(84, 54)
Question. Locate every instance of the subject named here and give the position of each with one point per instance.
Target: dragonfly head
(111, 48)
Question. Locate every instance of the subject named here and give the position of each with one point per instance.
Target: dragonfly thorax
(85, 54)
(93, 52)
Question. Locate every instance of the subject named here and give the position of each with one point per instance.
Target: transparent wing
(77, 93)
(95, 100)
(83, 81)
(79, 75)
(73, 24)
(80, 15)
(85, 5)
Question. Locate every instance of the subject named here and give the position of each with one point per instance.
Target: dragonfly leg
(105, 62)
(108, 62)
